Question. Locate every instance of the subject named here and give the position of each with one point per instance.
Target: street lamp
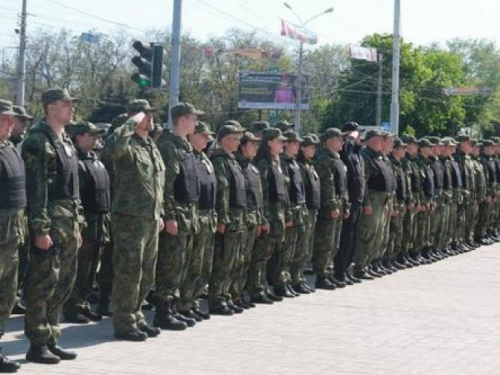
(298, 98)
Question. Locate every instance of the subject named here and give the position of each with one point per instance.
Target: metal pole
(21, 68)
(378, 117)
(298, 97)
(175, 59)
(395, 69)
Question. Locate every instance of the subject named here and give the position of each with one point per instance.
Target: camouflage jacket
(39, 157)
(254, 216)
(466, 167)
(139, 174)
(185, 214)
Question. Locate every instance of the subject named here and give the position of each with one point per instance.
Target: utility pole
(378, 118)
(21, 68)
(299, 85)
(395, 68)
(175, 60)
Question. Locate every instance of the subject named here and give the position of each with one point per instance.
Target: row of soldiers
(244, 211)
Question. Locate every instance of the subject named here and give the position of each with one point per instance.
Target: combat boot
(41, 354)
(282, 291)
(8, 365)
(324, 283)
(64, 354)
(165, 319)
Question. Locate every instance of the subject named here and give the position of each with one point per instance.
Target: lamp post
(298, 97)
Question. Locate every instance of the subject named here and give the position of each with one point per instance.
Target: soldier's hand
(43, 242)
(288, 224)
(488, 200)
(221, 228)
(265, 228)
(410, 206)
(368, 210)
(258, 230)
(80, 241)
(347, 213)
(171, 227)
(161, 225)
(335, 213)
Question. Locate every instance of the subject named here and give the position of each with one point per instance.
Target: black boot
(61, 353)
(8, 365)
(42, 354)
(165, 319)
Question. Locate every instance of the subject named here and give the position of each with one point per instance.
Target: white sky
(422, 21)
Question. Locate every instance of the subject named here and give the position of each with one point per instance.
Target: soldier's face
(412, 148)
(62, 111)
(6, 126)
(275, 146)
(292, 148)
(249, 150)
(19, 126)
(199, 141)
(308, 151)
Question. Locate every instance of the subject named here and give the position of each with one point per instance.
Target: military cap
(315, 137)
(408, 138)
(6, 108)
(203, 128)
(259, 126)
(139, 105)
(292, 136)
(227, 130)
(448, 141)
(21, 112)
(272, 133)
(183, 109)
(249, 137)
(373, 133)
(157, 129)
(424, 142)
(495, 139)
(55, 94)
(330, 133)
(352, 126)
(473, 141)
(487, 143)
(232, 122)
(308, 140)
(435, 140)
(398, 142)
(387, 134)
(83, 128)
(119, 120)
(463, 138)
(284, 126)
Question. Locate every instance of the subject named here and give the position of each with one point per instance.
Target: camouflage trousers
(242, 263)
(174, 258)
(437, 221)
(484, 215)
(305, 246)
(50, 278)
(265, 246)
(442, 238)
(386, 229)
(12, 231)
(326, 244)
(228, 247)
(409, 231)
(200, 268)
(371, 231)
(423, 239)
(134, 260)
(89, 256)
(104, 276)
(394, 245)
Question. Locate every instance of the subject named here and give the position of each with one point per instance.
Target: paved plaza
(442, 318)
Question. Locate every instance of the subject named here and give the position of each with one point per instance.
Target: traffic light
(149, 64)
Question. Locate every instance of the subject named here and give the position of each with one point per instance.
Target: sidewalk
(438, 319)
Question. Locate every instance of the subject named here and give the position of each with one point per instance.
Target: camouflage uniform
(54, 209)
(12, 225)
(181, 197)
(412, 170)
(423, 240)
(486, 208)
(136, 209)
(95, 196)
(230, 205)
(333, 183)
(465, 209)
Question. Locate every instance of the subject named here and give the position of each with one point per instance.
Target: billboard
(271, 91)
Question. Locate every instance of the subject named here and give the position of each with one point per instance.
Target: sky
(422, 21)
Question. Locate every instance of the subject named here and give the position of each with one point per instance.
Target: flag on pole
(363, 53)
(296, 32)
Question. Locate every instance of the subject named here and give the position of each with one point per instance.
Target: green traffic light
(144, 82)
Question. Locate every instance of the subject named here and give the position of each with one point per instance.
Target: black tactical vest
(186, 185)
(428, 184)
(437, 168)
(416, 177)
(401, 183)
(456, 175)
(237, 192)
(382, 179)
(489, 164)
(497, 168)
(96, 195)
(208, 184)
(297, 189)
(276, 185)
(12, 179)
(313, 189)
(254, 189)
